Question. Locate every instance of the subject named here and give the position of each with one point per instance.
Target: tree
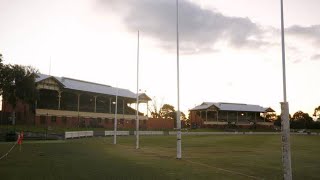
(270, 117)
(17, 82)
(317, 112)
(183, 117)
(153, 109)
(167, 111)
(277, 122)
(301, 120)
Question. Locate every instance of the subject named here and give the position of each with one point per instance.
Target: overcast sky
(230, 50)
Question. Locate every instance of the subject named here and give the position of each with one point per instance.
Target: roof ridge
(233, 103)
(63, 78)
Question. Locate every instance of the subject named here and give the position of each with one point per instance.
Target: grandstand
(210, 114)
(74, 103)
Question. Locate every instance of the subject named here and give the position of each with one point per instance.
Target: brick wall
(23, 113)
(195, 120)
(159, 123)
(151, 123)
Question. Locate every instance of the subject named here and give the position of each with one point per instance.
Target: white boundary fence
(237, 133)
(78, 134)
(150, 133)
(119, 133)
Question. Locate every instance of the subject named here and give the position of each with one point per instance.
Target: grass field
(204, 157)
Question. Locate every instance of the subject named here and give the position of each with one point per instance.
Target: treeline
(301, 120)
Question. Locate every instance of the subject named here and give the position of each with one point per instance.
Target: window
(64, 119)
(53, 119)
(99, 120)
(42, 119)
(106, 121)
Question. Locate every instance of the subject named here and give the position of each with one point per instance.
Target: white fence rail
(150, 133)
(78, 134)
(81, 134)
(119, 133)
(220, 133)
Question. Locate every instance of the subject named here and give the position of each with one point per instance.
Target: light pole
(285, 125)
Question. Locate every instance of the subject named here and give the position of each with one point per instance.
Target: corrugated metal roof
(41, 77)
(230, 107)
(80, 85)
(204, 105)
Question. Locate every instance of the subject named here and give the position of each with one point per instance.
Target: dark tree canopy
(317, 112)
(17, 82)
(167, 111)
(301, 120)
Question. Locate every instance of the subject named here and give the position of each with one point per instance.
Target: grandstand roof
(229, 107)
(80, 85)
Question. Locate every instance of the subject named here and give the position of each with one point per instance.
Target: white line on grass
(193, 162)
(221, 169)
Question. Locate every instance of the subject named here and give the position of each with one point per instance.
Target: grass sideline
(204, 157)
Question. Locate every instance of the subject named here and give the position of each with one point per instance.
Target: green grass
(204, 157)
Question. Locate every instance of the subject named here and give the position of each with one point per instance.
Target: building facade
(210, 114)
(69, 102)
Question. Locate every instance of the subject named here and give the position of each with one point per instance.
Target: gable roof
(269, 109)
(42, 77)
(86, 86)
(144, 97)
(230, 107)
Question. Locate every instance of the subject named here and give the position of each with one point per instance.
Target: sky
(230, 51)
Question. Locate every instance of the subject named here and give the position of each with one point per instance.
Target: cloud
(307, 33)
(201, 30)
(315, 57)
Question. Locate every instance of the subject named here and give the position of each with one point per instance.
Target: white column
(206, 115)
(78, 108)
(237, 118)
(95, 103)
(110, 105)
(137, 105)
(115, 120)
(217, 116)
(59, 99)
(78, 102)
(147, 108)
(179, 151)
(286, 149)
(123, 106)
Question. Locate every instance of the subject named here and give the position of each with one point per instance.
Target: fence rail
(119, 133)
(78, 134)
